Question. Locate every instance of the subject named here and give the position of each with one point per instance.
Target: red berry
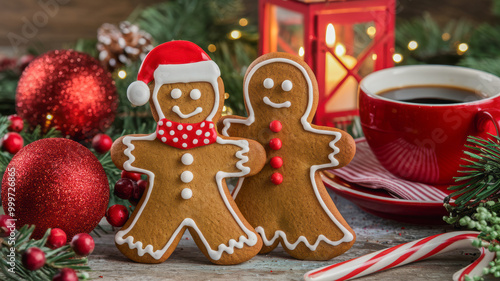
(83, 244)
(117, 215)
(102, 143)
(131, 175)
(66, 274)
(275, 144)
(57, 238)
(124, 188)
(276, 162)
(275, 126)
(12, 142)
(276, 178)
(16, 123)
(33, 258)
(139, 189)
(6, 225)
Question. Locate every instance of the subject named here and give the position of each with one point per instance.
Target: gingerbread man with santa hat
(186, 162)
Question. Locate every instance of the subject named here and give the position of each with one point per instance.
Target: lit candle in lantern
(345, 97)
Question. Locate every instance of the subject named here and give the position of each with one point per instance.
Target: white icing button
(175, 139)
(211, 125)
(195, 94)
(189, 127)
(179, 127)
(184, 145)
(195, 141)
(187, 159)
(198, 132)
(164, 139)
(206, 141)
(172, 132)
(202, 124)
(175, 93)
(186, 177)
(186, 193)
(161, 132)
(207, 134)
(160, 123)
(184, 136)
(268, 83)
(169, 124)
(286, 85)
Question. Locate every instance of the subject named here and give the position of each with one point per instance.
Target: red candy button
(276, 178)
(275, 144)
(275, 126)
(276, 162)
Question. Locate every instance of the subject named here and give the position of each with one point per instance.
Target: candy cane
(406, 253)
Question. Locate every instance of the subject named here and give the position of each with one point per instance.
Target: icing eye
(268, 83)
(176, 93)
(286, 85)
(195, 94)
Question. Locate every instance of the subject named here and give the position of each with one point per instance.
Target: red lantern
(342, 41)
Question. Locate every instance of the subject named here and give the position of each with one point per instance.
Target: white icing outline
(203, 71)
(214, 254)
(177, 110)
(348, 237)
(267, 101)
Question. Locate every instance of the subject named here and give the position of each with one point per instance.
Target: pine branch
(11, 265)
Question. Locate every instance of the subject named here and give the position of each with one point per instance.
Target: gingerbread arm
(331, 145)
(232, 125)
(123, 146)
(248, 156)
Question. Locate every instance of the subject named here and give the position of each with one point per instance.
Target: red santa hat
(173, 62)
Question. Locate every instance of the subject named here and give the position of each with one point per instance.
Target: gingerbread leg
(149, 238)
(234, 242)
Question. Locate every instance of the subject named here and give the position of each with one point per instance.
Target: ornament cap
(138, 93)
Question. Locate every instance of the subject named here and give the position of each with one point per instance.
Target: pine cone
(120, 46)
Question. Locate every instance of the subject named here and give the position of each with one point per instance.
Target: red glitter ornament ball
(58, 183)
(68, 90)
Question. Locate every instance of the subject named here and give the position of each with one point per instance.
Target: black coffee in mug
(432, 94)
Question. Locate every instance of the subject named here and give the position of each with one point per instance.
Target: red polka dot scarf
(186, 135)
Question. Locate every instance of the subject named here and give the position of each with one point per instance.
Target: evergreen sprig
(63, 257)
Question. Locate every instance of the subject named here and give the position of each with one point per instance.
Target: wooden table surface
(373, 233)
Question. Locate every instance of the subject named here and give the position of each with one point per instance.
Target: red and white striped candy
(404, 254)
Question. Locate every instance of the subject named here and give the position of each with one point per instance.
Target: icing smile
(277, 105)
(177, 110)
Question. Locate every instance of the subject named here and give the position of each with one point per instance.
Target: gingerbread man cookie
(287, 202)
(186, 161)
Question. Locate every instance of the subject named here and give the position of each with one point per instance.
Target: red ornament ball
(124, 188)
(276, 178)
(276, 162)
(33, 258)
(66, 274)
(6, 227)
(68, 90)
(12, 142)
(275, 126)
(59, 183)
(102, 143)
(57, 238)
(16, 123)
(275, 144)
(83, 244)
(131, 175)
(117, 215)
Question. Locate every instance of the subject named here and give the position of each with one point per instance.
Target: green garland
(63, 257)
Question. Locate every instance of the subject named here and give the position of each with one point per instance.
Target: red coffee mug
(425, 142)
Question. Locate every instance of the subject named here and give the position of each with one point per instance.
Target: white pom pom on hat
(138, 93)
(170, 53)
